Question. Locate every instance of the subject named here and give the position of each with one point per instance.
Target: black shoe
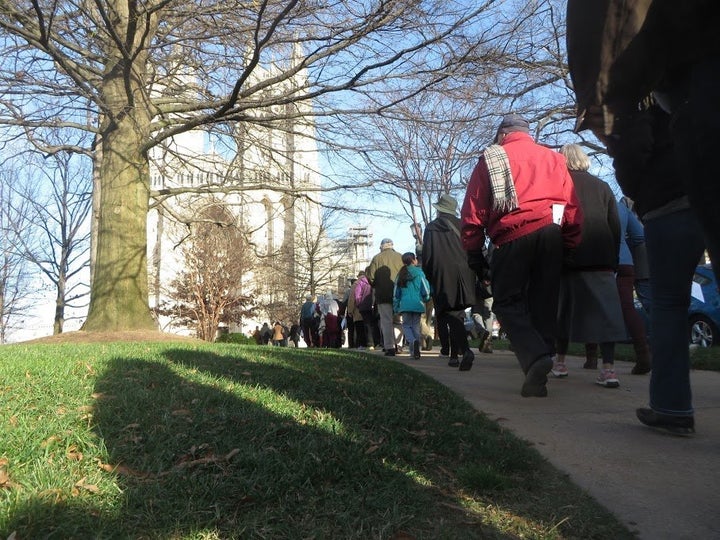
(390, 352)
(467, 360)
(453, 362)
(536, 378)
(416, 350)
(667, 423)
(641, 368)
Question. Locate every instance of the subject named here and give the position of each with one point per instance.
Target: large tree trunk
(119, 289)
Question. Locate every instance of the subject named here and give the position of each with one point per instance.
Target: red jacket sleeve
(474, 212)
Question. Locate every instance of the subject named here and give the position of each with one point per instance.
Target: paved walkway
(660, 486)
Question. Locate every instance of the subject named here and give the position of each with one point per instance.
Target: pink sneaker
(608, 379)
(559, 370)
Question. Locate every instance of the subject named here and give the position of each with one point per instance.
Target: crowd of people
(556, 253)
(545, 246)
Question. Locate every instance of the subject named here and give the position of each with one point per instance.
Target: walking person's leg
(459, 340)
(443, 333)
(675, 244)
(633, 321)
(386, 328)
(514, 275)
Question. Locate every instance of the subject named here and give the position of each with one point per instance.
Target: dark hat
(514, 122)
(446, 204)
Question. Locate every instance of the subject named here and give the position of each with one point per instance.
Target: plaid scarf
(501, 180)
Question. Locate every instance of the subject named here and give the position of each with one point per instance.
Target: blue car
(704, 308)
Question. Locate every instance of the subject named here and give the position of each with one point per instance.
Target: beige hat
(446, 204)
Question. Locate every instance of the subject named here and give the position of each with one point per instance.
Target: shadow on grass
(257, 443)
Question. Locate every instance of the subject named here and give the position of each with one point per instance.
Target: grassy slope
(158, 440)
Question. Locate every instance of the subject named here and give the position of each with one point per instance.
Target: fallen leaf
(47, 442)
(5, 482)
(373, 448)
(74, 454)
(122, 470)
(231, 454)
(87, 487)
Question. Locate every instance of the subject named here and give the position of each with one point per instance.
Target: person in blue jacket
(410, 294)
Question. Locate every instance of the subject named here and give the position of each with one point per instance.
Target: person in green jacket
(410, 294)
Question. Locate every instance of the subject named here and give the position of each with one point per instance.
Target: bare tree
(18, 283)
(321, 256)
(208, 290)
(429, 144)
(425, 149)
(136, 74)
(58, 196)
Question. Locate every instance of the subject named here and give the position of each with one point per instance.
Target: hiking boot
(674, 425)
(467, 360)
(454, 362)
(607, 378)
(536, 378)
(559, 370)
(416, 350)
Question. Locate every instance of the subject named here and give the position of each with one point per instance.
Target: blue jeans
(674, 244)
(411, 328)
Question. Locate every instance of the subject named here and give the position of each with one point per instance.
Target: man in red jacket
(521, 193)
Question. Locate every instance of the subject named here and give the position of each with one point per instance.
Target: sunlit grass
(143, 440)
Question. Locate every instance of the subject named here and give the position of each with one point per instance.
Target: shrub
(237, 338)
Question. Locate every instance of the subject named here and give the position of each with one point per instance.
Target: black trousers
(454, 322)
(526, 284)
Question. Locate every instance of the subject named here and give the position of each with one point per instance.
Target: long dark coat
(445, 265)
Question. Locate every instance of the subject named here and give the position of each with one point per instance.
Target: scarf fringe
(501, 181)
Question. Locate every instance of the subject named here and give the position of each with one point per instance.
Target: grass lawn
(205, 441)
